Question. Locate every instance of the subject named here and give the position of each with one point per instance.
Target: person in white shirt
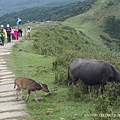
(28, 31)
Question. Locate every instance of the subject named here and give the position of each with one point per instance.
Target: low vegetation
(113, 27)
(45, 58)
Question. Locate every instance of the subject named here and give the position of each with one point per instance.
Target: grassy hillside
(93, 22)
(45, 58)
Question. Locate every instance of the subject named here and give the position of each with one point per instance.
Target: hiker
(28, 30)
(20, 30)
(18, 21)
(3, 34)
(8, 30)
(16, 33)
(12, 33)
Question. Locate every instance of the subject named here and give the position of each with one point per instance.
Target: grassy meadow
(92, 23)
(45, 58)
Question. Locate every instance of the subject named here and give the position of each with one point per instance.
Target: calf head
(44, 87)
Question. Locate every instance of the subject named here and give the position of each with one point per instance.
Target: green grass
(25, 63)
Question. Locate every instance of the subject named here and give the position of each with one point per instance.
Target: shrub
(113, 27)
(105, 104)
(78, 91)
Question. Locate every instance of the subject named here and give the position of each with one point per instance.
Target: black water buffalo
(92, 72)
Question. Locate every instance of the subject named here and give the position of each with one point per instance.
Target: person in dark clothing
(8, 30)
(20, 30)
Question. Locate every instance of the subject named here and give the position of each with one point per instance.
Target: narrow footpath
(9, 107)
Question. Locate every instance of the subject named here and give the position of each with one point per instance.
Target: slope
(93, 22)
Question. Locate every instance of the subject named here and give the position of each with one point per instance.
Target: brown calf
(29, 85)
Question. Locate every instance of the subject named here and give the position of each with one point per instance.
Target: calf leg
(18, 92)
(22, 96)
(28, 94)
(35, 96)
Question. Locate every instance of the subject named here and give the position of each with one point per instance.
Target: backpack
(1, 33)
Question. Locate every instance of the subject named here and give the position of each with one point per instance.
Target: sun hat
(8, 25)
(2, 25)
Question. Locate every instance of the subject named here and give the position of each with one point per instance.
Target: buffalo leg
(101, 88)
(89, 90)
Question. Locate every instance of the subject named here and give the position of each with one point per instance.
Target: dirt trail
(9, 107)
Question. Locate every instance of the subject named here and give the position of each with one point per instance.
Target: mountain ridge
(8, 6)
(39, 13)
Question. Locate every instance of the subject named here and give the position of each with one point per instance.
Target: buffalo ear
(40, 84)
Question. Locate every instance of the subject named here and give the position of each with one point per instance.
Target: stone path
(9, 107)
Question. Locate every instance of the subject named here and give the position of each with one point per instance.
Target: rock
(62, 119)
(39, 99)
(47, 113)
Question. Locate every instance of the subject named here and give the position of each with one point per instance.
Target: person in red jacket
(8, 30)
(16, 33)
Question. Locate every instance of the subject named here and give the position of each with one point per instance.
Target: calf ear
(40, 84)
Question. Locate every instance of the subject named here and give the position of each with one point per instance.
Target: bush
(78, 91)
(61, 78)
(113, 27)
(66, 58)
(105, 105)
(112, 91)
